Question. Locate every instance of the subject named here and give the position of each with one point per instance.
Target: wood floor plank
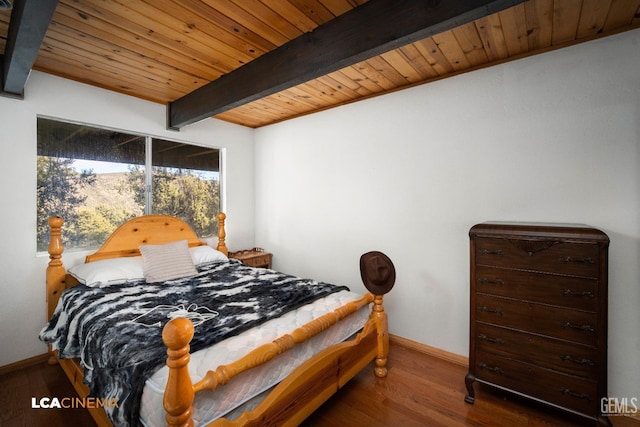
(14, 384)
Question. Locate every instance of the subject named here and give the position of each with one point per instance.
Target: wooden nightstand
(255, 257)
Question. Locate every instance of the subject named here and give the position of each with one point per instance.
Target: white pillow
(206, 254)
(109, 271)
(167, 262)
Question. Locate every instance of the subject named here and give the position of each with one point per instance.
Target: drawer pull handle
(575, 394)
(495, 369)
(492, 281)
(578, 260)
(490, 310)
(497, 252)
(578, 294)
(567, 357)
(586, 328)
(493, 340)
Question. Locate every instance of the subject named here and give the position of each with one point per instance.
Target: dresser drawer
(564, 291)
(559, 355)
(577, 394)
(578, 259)
(572, 325)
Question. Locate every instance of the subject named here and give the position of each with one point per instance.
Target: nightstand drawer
(255, 257)
(263, 260)
(553, 256)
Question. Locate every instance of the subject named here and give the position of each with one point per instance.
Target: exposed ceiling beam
(27, 27)
(368, 30)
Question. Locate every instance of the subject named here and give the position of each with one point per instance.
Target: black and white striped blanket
(116, 330)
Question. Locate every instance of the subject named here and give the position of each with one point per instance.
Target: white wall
(22, 306)
(554, 137)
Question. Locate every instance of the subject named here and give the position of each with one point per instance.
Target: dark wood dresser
(539, 313)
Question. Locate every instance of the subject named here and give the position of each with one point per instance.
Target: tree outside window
(96, 179)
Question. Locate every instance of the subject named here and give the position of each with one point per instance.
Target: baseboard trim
(41, 358)
(430, 351)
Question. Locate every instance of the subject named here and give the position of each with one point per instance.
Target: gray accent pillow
(167, 262)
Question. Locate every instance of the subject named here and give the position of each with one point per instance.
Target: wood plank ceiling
(161, 50)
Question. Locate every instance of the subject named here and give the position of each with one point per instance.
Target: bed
(290, 366)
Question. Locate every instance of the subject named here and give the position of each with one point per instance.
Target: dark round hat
(377, 272)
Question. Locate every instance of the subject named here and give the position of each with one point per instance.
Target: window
(96, 179)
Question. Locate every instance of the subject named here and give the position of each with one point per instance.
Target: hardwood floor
(17, 388)
(423, 390)
(420, 390)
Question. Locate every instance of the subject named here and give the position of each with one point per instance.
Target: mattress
(211, 405)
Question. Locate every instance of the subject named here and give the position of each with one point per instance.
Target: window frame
(148, 163)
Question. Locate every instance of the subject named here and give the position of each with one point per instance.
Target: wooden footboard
(307, 387)
(300, 393)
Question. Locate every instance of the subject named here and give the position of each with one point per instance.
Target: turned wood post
(55, 271)
(383, 336)
(179, 393)
(55, 268)
(222, 234)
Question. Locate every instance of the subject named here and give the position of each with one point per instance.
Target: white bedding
(209, 406)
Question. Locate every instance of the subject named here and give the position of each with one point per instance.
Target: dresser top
(514, 229)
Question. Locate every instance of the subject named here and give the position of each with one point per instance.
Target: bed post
(382, 327)
(379, 275)
(222, 234)
(179, 392)
(55, 271)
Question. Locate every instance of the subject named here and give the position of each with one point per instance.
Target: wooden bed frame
(290, 402)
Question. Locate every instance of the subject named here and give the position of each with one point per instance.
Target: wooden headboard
(123, 242)
(144, 230)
